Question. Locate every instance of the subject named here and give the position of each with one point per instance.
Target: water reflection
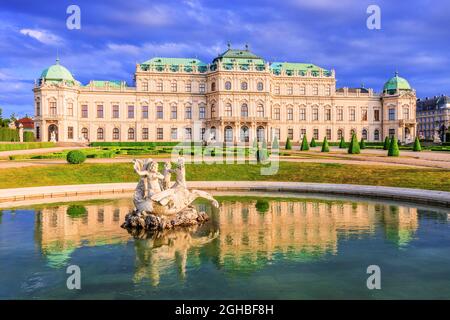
(241, 236)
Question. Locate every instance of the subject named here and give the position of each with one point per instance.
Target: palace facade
(238, 97)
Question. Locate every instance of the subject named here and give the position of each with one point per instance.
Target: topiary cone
(313, 143)
(387, 142)
(393, 148)
(342, 144)
(305, 146)
(417, 147)
(362, 144)
(288, 145)
(354, 145)
(325, 147)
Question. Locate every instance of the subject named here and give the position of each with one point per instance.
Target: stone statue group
(160, 205)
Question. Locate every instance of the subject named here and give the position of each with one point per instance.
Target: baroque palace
(238, 97)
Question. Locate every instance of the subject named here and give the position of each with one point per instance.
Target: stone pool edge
(431, 197)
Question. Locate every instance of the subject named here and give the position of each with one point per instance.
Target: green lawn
(25, 145)
(435, 179)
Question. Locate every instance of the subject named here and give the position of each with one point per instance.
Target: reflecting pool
(252, 247)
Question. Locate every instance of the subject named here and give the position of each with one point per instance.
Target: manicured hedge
(7, 134)
(133, 144)
(25, 145)
(76, 157)
(28, 136)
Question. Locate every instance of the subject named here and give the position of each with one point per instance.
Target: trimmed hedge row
(7, 134)
(132, 144)
(25, 145)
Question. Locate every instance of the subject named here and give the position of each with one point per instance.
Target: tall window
(52, 105)
(173, 133)
(70, 109)
(145, 86)
(316, 134)
(391, 133)
(276, 113)
(364, 134)
(144, 112)
(302, 90)
(327, 114)
(159, 86)
(38, 108)
(100, 135)
(85, 133)
(327, 90)
(115, 111)
(159, 112)
(302, 114)
(188, 112)
(244, 85)
(227, 85)
(202, 87)
(405, 113)
(144, 133)
(302, 133)
(315, 90)
(213, 110)
(244, 111)
(277, 89)
(376, 115)
(130, 134)
(290, 114)
(174, 86)
(84, 111)
(260, 86)
(159, 134)
(340, 134)
(228, 134)
(376, 135)
(69, 132)
(291, 133)
(315, 114)
(130, 112)
(260, 111)
(99, 111)
(213, 86)
(202, 112)
(364, 114)
(173, 112)
(340, 114)
(188, 133)
(352, 115)
(290, 90)
(228, 110)
(391, 114)
(188, 86)
(116, 134)
(328, 134)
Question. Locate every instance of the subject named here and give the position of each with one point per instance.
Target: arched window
(188, 112)
(228, 85)
(100, 135)
(85, 133)
(290, 114)
(244, 85)
(116, 134)
(173, 112)
(244, 134)
(228, 110)
(228, 134)
(130, 134)
(260, 111)
(213, 133)
(213, 86)
(260, 86)
(213, 110)
(364, 134)
(244, 111)
(376, 135)
(340, 134)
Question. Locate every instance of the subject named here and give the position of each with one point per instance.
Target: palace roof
(57, 73)
(396, 83)
(301, 68)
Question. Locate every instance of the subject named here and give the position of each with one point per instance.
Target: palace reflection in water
(243, 235)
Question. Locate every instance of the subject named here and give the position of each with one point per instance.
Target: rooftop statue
(159, 206)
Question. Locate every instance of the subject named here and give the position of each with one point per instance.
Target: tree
(313, 143)
(354, 145)
(342, 144)
(304, 146)
(417, 147)
(393, 148)
(325, 147)
(386, 143)
(362, 144)
(275, 144)
(288, 145)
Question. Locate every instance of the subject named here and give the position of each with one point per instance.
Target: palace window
(364, 134)
(227, 85)
(327, 114)
(213, 86)
(202, 133)
(244, 85)
(352, 115)
(38, 108)
(144, 133)
(144, 112)
(173, 133)
(244, 111)
(328, 134)
(85, 133)
(302, 133)
(159, 86)
(188, 133)
(100, 135)
(340, 134)
(327, 91)
(291, 133)
(228, 134)
(130, 134)
(99, 111)
(116, 134)
(364, 114)
(406, 113)
(290, 90)
(376, 135)
(202, 87)
(228, 110)
(174, 86)
(52, 108)
(130, 112)
(260, 86)
(201, 112)
(391, 114)
(145, 86)
(260, 111)
(340, 114)
(277, 89)
(173, 112)
(70, 109)
(188, 86)
(213, 110)
(302, 90)
(315, 90)
(84, 111)
(277, 133)
(376, 115)
(290, 114)
(159, 112)
(115, 111)
(315, 114)
(276, 113)
(391, 133)
(69, 132)
(188, 112)
(302, 114)
(316, 134)
(159, 134)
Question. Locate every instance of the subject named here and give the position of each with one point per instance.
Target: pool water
(252, 248)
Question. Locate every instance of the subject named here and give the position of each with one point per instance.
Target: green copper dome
(395, 83)
(57, 72)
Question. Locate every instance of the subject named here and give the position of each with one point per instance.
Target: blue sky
(116, 34)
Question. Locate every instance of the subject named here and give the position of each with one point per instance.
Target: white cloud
(42, 36)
